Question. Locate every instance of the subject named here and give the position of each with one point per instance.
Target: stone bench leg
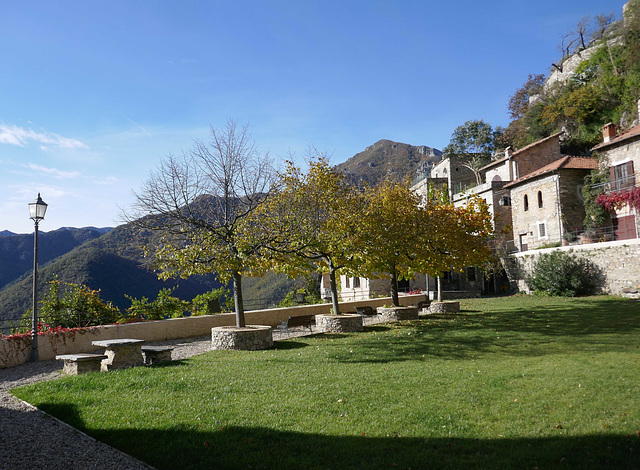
(129, 355)
(154, 357)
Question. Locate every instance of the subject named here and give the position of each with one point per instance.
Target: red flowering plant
(619, 199)
(69, 307)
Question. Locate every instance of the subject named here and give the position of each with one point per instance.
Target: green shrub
(70, 305)
(212, 302)
(565, 274)
(165, 306)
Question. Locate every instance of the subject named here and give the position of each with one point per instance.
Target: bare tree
(588, 31)
(200, 202)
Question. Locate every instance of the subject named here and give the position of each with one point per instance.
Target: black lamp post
(37, 209)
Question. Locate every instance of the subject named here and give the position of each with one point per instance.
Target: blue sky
(93, 94)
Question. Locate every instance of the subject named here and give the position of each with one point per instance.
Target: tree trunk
(334, 290)
(237, 299)
(439, 288)
(394, 289)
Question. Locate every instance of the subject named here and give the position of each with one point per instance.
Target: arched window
(539, 199)
(526, 202)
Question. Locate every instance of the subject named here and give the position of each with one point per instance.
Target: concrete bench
(156, 354)
(75, 364)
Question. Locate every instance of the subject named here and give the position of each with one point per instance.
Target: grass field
(519, 382)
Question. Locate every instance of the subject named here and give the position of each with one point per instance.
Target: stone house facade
(548, 202)
(362, 288)
(457, 177)
(524, 161)
(621, 155)
(499, 174)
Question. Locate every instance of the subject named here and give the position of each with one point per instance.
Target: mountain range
(112, 260)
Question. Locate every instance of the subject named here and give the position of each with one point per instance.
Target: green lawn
(520, 382)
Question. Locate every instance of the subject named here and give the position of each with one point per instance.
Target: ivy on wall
(619, 199)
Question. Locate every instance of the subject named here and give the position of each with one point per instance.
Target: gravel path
(31, 439)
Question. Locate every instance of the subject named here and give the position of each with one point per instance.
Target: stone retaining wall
(249, 338)
(390, 314)
(618, 260)
(444, 307)
(339, 323)
(17, 349)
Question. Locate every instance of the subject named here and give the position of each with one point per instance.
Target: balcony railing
(582, 237)
(619, 184)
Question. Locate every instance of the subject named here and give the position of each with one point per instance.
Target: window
(504, 201)
(346, 282)
(622, 176)
(542, 230)
(471, 274)
(539, 199)
(356, 282)
(526, 202)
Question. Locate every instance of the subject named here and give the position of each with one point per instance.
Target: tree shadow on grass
(251, 447)
(285, 345)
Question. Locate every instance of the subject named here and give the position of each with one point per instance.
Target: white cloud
(14, 135)
(60, 174)
(109, 180)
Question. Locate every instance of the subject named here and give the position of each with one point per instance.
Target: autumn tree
(472, 145)
(201, 201)
(456, 237)
(399, 236)
(389, 233)
(520, 100)
(311, 221)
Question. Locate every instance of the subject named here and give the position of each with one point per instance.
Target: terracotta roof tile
(564, 163)
(628, 134)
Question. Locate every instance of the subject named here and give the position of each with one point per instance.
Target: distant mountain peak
(389, 159)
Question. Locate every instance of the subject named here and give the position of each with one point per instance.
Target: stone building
(495, 191)
(362, 288)
(524, 161)
(548, 202)
(621, 154)
(456, 176)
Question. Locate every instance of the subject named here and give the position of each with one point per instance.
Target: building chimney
(608, 132)
(507, 152)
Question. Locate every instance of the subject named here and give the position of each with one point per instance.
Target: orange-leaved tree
(310, 222)
(457, 236)
(390, 233)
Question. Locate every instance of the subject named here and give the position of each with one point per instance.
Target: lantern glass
(37, 209)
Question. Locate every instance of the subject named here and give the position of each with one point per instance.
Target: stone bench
(121, 353)
(365, 310)
(75, 364)
(156, 354)
(305, 321)
(423, 306)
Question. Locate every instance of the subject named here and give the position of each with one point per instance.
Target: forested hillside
(16, 251)
(595, 81)
(387, 159)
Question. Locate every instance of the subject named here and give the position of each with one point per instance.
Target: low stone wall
(619, 261)
(15, 350)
